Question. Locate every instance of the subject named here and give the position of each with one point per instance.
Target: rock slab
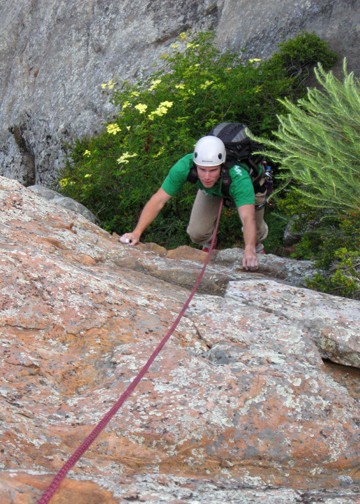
(240, 405)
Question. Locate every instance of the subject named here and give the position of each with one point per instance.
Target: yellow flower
(110, 85)
(180, 86)
(124, 158)
(174, 46)
(141, 107)
(154, 84)
(254, 60)
(64, 182)
(206, 84)
(183, 35)
(87, 153)
(161, 110)
(126, 104)
(113, 128)
(167, 104)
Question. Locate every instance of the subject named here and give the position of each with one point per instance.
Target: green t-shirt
(241, 187)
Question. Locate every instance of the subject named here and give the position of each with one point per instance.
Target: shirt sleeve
(177, 175)
(241, 188)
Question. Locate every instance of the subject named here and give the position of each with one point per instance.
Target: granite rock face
(64, 201)
(244, 403)
(54, 56)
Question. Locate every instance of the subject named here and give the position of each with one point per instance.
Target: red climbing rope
(107, 417)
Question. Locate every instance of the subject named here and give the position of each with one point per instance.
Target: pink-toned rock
(239, 403)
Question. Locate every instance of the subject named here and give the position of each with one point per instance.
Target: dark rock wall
(54, 56)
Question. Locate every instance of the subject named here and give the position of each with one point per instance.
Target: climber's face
(208, 175)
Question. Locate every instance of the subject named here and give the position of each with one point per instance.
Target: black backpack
(239, 149)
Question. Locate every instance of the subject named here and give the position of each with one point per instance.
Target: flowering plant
(160, 118)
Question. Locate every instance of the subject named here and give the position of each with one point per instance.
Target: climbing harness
(49, 492)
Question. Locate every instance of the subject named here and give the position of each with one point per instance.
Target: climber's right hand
(129, 238)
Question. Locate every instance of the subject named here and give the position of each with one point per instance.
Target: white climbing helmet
(209, 151)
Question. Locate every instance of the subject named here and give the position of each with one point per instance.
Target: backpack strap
(256, 174)
(225, 181)
(193, 175)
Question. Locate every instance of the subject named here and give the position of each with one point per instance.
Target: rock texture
(241, 405)
(64, 201)
(54, 56)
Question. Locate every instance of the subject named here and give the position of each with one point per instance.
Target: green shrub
(317, 143)
(298, 56)
(159, 120)
(317, 149)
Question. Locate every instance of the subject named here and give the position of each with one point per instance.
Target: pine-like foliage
(317, 145)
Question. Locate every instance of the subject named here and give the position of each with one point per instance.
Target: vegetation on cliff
(317, 150)
(160, 118)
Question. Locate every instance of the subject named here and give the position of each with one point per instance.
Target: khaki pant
(204, 214)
